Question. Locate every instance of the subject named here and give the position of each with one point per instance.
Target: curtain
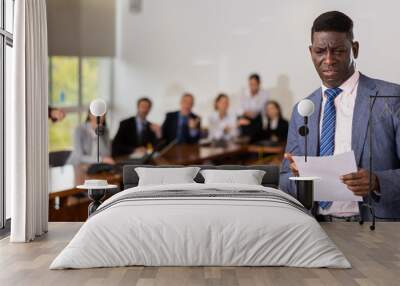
(28, 148)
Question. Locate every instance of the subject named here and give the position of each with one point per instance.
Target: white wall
(85, 34)
(210, 46)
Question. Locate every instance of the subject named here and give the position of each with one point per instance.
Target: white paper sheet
(329, 169)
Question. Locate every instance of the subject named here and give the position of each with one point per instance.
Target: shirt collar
(139, 120)
(250, 95)
(346, 87)
(183, 116)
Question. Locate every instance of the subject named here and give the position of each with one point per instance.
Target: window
(64, 79)
(9, 15)
(7, 89)
(73, 83)
(6, 43)
(96, 75)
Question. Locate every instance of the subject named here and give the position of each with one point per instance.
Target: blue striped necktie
(327, 139)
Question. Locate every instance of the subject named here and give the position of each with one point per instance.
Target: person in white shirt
(253, 100)
(222, 124)
(85, 143)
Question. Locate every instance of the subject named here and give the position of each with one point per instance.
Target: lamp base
(96, 195)
(372, 211)
(305, 190)
(97, 190)
(305, 193)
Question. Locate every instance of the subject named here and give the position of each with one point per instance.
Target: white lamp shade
(98, 107)
(305, 107)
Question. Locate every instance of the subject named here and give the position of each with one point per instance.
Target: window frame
(80, 109)
(6, 39)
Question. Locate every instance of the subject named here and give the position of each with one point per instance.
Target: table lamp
(97, 188)
(305, 108)
(305, 185)
(98, 108)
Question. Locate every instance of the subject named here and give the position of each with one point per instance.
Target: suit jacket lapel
(134, 134)
(313, 123)
(173, 128)
(366, 88)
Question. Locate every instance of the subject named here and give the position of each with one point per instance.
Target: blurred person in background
(271, 125)
(85, 143)
(183, 126)
(222, 125)
(253, 99)
(252, 103)
(136, 133)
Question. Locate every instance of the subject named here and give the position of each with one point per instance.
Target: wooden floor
(375, 257)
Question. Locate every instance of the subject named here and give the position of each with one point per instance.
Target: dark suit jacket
(170, 128)
(252, 130)
(127, 138)
(267, 133)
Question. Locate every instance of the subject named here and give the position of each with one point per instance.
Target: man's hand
(140, 150)
(358, 182)
(250, 114)
(227, 129)
(292, 164)
(56, 114)
(108, 160)
(193, 123)
(156, 129)
(243, 122)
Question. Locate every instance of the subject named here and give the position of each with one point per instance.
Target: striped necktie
(327, 139)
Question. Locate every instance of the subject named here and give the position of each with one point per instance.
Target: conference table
(231, 153)
(67, 203)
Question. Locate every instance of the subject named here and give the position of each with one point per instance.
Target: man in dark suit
(340, 122)
(183, 125)
(136, 132)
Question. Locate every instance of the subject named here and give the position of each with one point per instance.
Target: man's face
(333, 55)
(186, 105)
(254, 86)
(223, 104)
(143, 109)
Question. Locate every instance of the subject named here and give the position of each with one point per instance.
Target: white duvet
(200, 231)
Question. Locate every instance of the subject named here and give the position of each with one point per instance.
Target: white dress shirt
(344, 104)
(253, 103)
(139, 124)
(85, 145)
(216, 126)
(274, 124)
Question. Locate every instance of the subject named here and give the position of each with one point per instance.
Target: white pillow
(164, 176)
(249, 177)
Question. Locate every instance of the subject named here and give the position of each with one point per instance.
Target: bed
(198, 224)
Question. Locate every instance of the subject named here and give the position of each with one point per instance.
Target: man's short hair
(187, 94)
(333, 21)
(256, 77)
(144, 99)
